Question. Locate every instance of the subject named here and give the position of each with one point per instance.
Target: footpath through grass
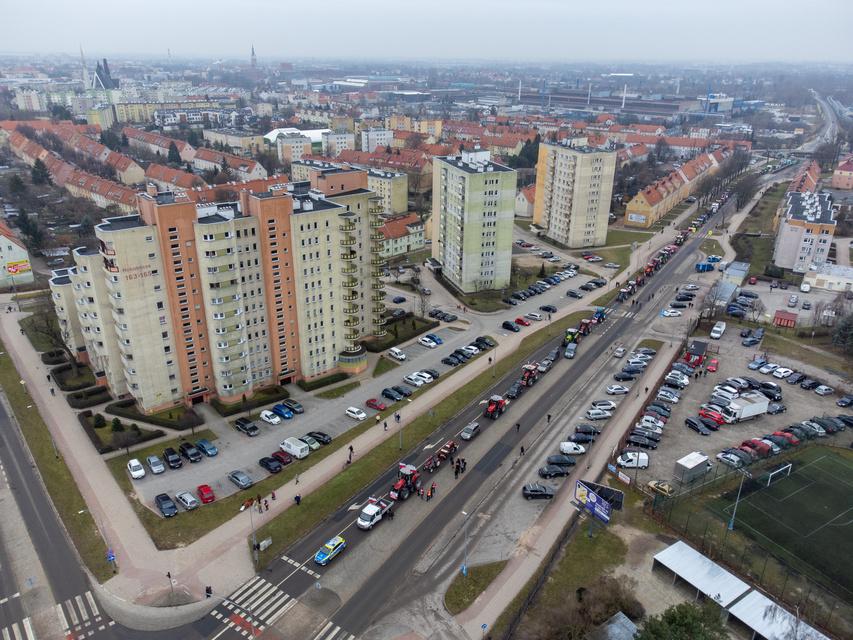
(60, 484)
(286, 529)
(384, 365)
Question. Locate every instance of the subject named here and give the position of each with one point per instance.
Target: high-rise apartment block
(183, 302)
(473, 208)
(574, 183)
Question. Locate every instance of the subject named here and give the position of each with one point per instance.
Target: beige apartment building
(183, 302)
(574, 183)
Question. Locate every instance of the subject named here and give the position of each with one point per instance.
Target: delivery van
(296, 448)
(718, 330)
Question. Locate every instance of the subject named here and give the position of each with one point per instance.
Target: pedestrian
(705, 373)
(378, 418)
(296, 478)
(349, 460)
(456, 473)
(298, 499)
(517, 427)
(22, 331)
(490, 361)
(48, 377)
(421, 492)
(464, 464)
(647, 389)
(52, 392)
(260, 508)
(390, 514)
(351, 452)
(272, 495)
(433, 488)
(259, 498)
(386, 426)
(522, 450)
(266, 505)
(429, 496)
(549, 418)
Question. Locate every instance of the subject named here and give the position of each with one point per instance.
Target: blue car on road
(399, 299)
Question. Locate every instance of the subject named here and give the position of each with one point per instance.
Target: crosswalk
(333, 632)
(79, 618)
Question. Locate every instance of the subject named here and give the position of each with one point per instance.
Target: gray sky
(560, 30)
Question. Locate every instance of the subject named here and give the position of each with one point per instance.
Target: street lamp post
(103, 531)
(399, 417)
(494, 360)
(250, 503)
(465, 563)
(743, 474)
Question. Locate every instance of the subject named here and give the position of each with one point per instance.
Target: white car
(640, 356)
(671, 313)
(598, 414)
(782, 372)
(604, 405)
(667, 397)
(621, 351)
(616, 390)
(542, 283)
(652, 422)
(571, 448)
(269, 416)
(356, 413)
(633, 459)
(645, 426)
(611, 265)
(595, 259)
(729, 459)
(427, 342)
(135, 469)
(638, 362)
(691, 287)
(471, 351)
(768, 368)
(414, 380)
(423, 376)
(187, 501)
(823, 390)
(395, 353)
(555, 259)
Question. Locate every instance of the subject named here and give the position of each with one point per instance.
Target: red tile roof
(176, 177)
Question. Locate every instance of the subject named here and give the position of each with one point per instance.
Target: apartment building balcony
(379, 321)
(352, 322)
(350, 283)
(378, 262)
(376, 222)
(348, 241)
(348, 268)
(352, 255)
(353, 348)
(377, 237)
(379, 296)
(349, 297)
(352, 335)
(376, 274)
(376, 248)
(379, 333)
(347, 226)
(377, 285)
(378, 308)
(351, 309)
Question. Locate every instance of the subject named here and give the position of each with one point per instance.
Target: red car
(522, 321)
(282, 457)
(790, 437)
(712, 366)
(656, 416)
(713, 415)
(526, 245)
(753, 280)
(205, 493)
(373, 403)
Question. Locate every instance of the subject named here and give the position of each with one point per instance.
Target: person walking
(296, 477)
(391, 514)
(705, 373)
(297, 498)
(259, 498)
(456, 473)
(386, 426)
(351, 451)
(429, 496)
(421, 492)
(433, 488)
(463, 465)
(48, 377)
(378, 418)
(549, 418)
(266, 505)
(52, 391)
(517, 427)
(272, 495)
(522, 450)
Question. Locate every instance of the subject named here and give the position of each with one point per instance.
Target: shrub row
(404, 333)
(259, 399)
(53, 357)
(127, 409)
(84, 418)
(319, 383)
(88, 397)
(59, 376)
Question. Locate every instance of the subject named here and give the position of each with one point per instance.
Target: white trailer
(747, 407)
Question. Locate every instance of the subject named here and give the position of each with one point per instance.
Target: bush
(319, 383)
(772, 271)
(53, 357)
(127, 409)
(61, 372)
(88, 397)
(258, 399)
(99, 421)
(86, 420)
(116, 425)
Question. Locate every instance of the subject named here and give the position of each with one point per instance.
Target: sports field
(805, 518)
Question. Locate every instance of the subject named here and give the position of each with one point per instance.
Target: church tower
(254, 58)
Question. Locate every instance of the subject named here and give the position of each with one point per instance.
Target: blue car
(281, 410)
(332, 548)
(399, 299)
(434, 338)
(206, 447)
(632, 370)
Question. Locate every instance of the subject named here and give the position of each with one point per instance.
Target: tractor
(409, 482)
(495, 406)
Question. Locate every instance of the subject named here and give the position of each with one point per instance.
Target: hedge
(88, 397)
(95, 439)
(57, 372)
(127, 409)
(258, 399)
(311, 385)
(389, 340)
(53, 357)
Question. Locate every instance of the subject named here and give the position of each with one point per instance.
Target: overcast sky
(560, 30)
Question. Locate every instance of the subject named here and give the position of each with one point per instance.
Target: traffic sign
(111, 556)
(464, 570)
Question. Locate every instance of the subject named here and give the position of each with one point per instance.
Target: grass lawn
(84, 377)
(648, 343)
(483, 300)
(383, 366)
(106, 434)
(760, 218)
(790, 346)
(337, 392)
(39, 341)
(414, 257)
(616, 237)
(403, 329)
(523, 224)
(711, 247)
(60, 484)
(464, 590)
(285, 530)
(620, 255)
(758, 252)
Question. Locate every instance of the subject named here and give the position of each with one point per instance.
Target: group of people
(459, 467)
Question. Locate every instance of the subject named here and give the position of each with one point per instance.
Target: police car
(332, 548)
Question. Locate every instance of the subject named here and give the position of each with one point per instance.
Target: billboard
(21, 266)
(636, 217)
(593, 502)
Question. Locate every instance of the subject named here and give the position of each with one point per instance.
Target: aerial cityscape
(372, 342)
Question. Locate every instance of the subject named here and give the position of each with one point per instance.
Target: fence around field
(759, 561)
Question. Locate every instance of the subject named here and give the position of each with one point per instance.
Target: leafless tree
(126, 439)
(817, 311)
(422, 303)
(46, 324)
(840, 304)
(713, 303)
(757, 310)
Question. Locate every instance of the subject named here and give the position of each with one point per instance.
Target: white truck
(747, 407)
(372, 513)
(692, 466)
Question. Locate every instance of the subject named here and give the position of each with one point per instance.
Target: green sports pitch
(805, 518)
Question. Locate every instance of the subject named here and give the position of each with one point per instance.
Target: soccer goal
(782, 472)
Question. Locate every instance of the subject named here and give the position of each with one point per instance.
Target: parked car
(537, 492)
(391, 395)
(321, 437)
(166, 505)
(172, 458)
(189, 452)
(616, 389)
(403, 391)
(356, 413)
(598, 414)
(553, 471)
(270, 417)
(205, 493)
(155, 464)
(373, 403)
(824, 390)
(270, 464)
(186, 500)
(240, 479)
(294, 406)
(135, 469)
(511, 326)
(247, 426)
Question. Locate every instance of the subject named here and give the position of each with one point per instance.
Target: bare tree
(817, 311)
(46, 324)
(422, 303)
(713, 303)
(757, 310)
(126, 439)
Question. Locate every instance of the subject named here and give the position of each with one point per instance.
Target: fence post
(785, 584)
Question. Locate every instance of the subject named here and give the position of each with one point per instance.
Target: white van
(805, 287)
(296, 448)
(718, 330)
(395, 353)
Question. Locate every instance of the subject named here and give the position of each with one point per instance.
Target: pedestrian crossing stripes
(301, 566)
(257, 604)
(80, 617)
(333, 632)
(22, 631)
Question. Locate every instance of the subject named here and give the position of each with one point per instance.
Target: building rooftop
(834, 270)
(475, 161)
(810, 207)
(120, 224)
(86, 251)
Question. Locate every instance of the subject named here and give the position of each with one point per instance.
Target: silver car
(186, 500)
(155, 464)
(240, 479)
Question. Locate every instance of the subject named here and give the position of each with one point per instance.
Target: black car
(561, 460)
(247, 426)
(658, 410)
(622, 376)
(537, 491)
(795, 378)
(165, 504)
(485, 340)
(750, 342)
(392, 395)
(745, 333)
(697, 426)
(743, 456)
(686, 369)
(449, 317)
(771, 393)
(846, 401)
(397, 313)
(759, 333)
(270, 464)
(677, 305)
(189, 452)
(553, 471)
(599, 282)
(450, 362)
(548, 308)
(319, 436)
(433, 313)
(172, 458)
(462, 355)
(748, 294)
(587, 287)
(519, 295)
(510, 326)
(574, 293)
(847, 420)
(581, 438)
(640, 441)
(587, 428)
(515, 390)
(432, 372)
(660, 403)
(683, 297)
(646, 351)
(294, 406)
(711, 424)
(633, 370)
(737, 313)
(645, 433)
(510, 301)
(403, 391)
(775, 408)
(809, 384)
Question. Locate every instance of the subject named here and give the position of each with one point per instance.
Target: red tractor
(495, 406)
(409, 482)
(432, 463)
(529, 375)
(447, 449)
